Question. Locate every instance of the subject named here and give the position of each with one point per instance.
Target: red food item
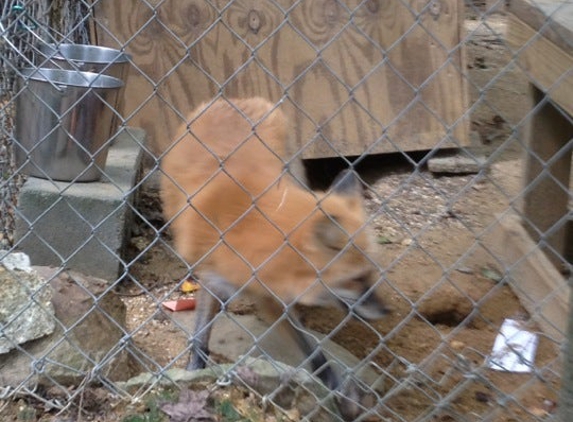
(186, 304)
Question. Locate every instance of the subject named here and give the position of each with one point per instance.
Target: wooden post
(542, 34)
(565, 409)
(547, 174)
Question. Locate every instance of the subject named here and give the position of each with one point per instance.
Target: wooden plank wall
(547, 59)
(352, 77)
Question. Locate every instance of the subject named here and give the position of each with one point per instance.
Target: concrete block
(82, 226)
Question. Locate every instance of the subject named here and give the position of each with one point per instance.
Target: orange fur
(241, 221)
(246, 218)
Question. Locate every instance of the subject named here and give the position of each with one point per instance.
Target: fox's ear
(329, 233)
(347, 183)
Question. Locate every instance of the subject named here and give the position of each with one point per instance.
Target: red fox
(243, 224)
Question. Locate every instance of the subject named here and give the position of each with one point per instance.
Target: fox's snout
(366, 304)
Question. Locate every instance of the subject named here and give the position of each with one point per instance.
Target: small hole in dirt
(449, 318)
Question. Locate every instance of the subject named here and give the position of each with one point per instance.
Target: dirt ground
(447, 295)
(442, 284)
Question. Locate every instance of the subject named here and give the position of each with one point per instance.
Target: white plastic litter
(514, 348)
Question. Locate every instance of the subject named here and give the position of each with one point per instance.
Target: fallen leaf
(190, 286)
(248, 376)
(465, 270)
(538, 412)
(491, 274)
(383, 240)
(191, 407)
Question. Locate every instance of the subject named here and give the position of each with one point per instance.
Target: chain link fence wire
(463, 253)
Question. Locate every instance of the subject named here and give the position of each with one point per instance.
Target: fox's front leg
(293, 330)
(214, 292)
(320, 366)
(348, 393)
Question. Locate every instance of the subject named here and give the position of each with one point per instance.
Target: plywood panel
(375, 76)
(547, 65)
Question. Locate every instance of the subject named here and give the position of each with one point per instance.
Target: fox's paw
(198, 358)
(354, 399)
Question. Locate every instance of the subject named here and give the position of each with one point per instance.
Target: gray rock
(456, 164)
(86, 342)
(233, 337)
(280, 384)
(26, 311)
(285, 374)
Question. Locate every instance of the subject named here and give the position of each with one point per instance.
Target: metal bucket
(63, 120)
(88, 58)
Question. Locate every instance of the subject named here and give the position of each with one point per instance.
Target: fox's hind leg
(214, 292)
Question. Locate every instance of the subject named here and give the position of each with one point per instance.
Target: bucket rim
(54, 51)
(90, 79)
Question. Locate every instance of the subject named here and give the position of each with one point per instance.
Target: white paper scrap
(514, 348)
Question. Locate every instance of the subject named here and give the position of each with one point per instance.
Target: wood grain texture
(548, 66)
(542, 290)
(354, 77)
(547, 175)
(552, 18)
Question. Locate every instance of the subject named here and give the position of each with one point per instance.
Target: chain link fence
(455, 119)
